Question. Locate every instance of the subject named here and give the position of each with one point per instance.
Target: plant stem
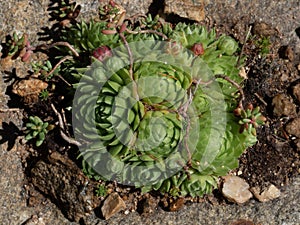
(61, 126)
(183, 112)
(135, 92)
(236, 85)
(61, 43)
(242, 50)
(68, 57)
(10, 110)
(130, 55)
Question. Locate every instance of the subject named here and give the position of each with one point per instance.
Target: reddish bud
(262, 118)
(250, 106)
(198, 49)
(102, 53)
(112, 3)
(237, 111)
(76, 11)
(26, 56)
(123, 27)
(27, 44)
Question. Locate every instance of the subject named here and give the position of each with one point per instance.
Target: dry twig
(62, 128)
(261, 99)
(10, 110)
(63, 43)
(129, 53)
(236, 85)
(57, 65)
(242, 50)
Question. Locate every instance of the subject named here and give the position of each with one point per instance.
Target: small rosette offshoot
(36, 129)
(250, 119)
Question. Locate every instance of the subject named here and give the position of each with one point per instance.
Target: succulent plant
(44, 68)
(36, 129)
(87, 37)
(251, 118)
(151, 111)
(19, 46)
(101, 190)
(16, 44)
(66, 10)
(44, 95)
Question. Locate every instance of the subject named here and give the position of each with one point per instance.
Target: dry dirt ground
(272, 83)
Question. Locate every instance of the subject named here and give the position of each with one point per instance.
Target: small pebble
(293, 127)
(296, 91)
(270, 193)
(235, 189)
(112, 205)
(283, 106)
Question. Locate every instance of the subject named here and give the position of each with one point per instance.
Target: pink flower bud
(112, 3)
(122, 28)
(26, 56)
(198, 49)
(102, 53)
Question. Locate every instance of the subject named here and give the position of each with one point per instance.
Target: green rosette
(168, 124)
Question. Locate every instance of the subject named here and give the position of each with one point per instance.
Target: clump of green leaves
(101, 190)
(264, 44)
(44, 95)
(43, 69)
(251, 118)
(184, 78)
(36, 129)
(16, 44)
(65, 9)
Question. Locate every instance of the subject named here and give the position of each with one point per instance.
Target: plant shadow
(9, 133)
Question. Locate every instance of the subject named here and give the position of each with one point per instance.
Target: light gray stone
(193, 10)
(235, 189)
(270, 193)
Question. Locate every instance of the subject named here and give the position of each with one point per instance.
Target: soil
(271, 79)
(273, 83)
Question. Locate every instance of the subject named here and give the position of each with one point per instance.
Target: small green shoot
(251, 118)
(45, 70)
(264, 44)
(101, 191)
(36, 129)
(16, 44)
(44, 95)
